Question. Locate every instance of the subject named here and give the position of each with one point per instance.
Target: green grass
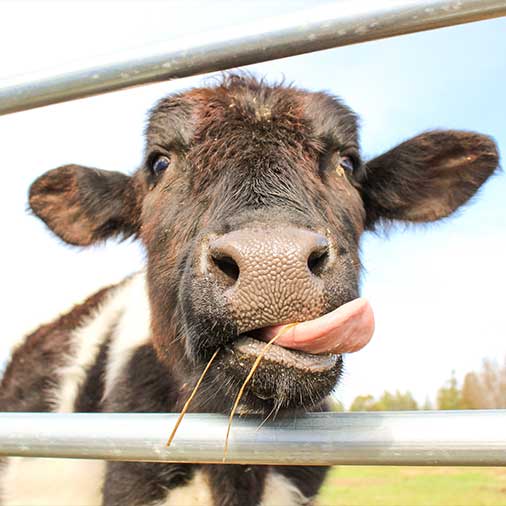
(414, 486)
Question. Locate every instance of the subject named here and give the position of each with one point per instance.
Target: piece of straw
(187, 403)
(285, 329)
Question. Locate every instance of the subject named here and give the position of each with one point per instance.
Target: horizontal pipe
(337, 24)
(443, 438)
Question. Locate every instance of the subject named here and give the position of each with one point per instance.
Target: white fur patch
(52, 482)
(132, 331)
(195, 493)
(280, 491)
(126, 308)
(86, 342)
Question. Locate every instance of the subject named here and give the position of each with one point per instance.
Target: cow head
(251, 202)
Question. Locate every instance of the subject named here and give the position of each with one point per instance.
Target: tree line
(484, 389)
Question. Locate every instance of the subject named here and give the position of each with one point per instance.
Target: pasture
(414, 486)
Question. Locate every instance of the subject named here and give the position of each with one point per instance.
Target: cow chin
(283, 380)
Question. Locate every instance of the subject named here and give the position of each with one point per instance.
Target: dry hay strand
(187, 403)
(254, 367)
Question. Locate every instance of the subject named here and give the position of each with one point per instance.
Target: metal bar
(340, 23)
(442, 438)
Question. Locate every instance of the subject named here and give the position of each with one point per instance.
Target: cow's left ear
(427, 177)
(83, 206)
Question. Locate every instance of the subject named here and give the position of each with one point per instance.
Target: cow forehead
(254, 112)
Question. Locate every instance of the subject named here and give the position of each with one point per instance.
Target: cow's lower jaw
(249, 348)
(303, 365)
(296, 371)
(284, 378)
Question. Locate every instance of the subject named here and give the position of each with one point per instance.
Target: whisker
(266, 418)
(278, 407)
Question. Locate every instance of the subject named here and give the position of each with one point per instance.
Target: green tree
(362, 403)
(387, 402)
(396, 402)
(449, 396)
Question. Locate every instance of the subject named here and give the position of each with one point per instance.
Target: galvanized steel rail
(340, 23)
(440, 438)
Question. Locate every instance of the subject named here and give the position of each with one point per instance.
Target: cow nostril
(317, 261)
(227, 266)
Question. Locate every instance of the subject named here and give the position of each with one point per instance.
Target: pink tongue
(345, 330)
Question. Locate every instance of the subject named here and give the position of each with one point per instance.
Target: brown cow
(250, 203)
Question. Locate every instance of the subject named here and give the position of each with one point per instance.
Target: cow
(250, 203)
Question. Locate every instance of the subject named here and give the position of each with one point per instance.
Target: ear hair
(428, 177)
(83, 206)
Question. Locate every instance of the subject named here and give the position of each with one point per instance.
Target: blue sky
(437, 291)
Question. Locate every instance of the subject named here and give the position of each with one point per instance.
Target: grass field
(414, 486)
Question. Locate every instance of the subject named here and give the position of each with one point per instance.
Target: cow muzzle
(270, 276)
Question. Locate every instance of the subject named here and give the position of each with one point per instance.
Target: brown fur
(31, 374)
(442, 171)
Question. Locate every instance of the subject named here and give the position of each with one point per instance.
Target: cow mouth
(312, 346)
(249, 348)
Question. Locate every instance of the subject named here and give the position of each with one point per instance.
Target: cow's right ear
(83, 206)
(428, 177)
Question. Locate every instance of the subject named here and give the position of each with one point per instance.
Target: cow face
(250, 203)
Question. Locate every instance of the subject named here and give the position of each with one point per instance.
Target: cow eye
(160, 164)
(347, 163)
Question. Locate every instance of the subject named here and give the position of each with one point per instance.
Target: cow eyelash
(347, 164)
(340, 162)
(157, 163)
